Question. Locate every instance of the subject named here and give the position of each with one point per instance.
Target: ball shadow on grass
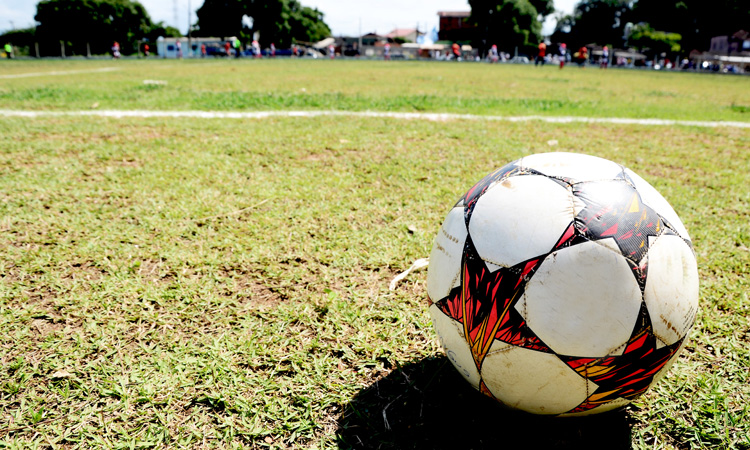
(427, 405)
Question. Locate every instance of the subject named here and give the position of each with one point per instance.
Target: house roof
(401, 32)
(454, 13)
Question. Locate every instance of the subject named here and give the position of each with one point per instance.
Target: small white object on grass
(418, 264)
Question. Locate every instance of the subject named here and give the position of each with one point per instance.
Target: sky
(345, 17)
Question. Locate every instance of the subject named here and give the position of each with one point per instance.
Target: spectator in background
(273, 50)
(605, 58)
(116, 50)
(456, 49)
(8, 51)
(238, 48)
(583, 55)
(203, 50)
(145, 49)
(387, 51)
(331, 51)
(227, 48)
(178, 44)
(493, 56)
(563, 50)
(256, 49)
(542, 54)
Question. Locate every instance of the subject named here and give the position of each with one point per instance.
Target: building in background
(455, 26)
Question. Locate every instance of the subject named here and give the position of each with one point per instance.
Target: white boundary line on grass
(374, 114)
(56, 72)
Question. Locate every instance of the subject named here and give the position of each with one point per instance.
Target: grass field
(353, 85)
(184, 283)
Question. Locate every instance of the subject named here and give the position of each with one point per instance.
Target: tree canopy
(685, 24)
(281, 22)
(595, 22)
(697, 21)
(648, 40)
(96, 22)
(510, 24)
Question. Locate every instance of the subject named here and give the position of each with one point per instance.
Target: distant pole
(88, 50)
(359, 46)
(176, 15)
(190, 29)
(36, 48)
(62, 49)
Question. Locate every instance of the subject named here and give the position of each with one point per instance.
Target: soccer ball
(562, 284)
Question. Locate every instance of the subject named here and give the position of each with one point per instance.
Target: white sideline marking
(375, 114)
(56, 72)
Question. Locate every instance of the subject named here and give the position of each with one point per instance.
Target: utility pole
(189, 29)
(176, 14)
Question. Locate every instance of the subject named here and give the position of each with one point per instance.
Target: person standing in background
(493, 56)
(563, 50)
(541, 54)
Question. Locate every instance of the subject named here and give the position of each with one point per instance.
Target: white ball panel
(519, 218)
(652, 198)
(576, 166)
(533, 381)
(671, 292)
(451, 335)
(583, 301)
(443, 273)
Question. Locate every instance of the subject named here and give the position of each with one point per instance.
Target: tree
(21, 39)
(308, 25)
(509, 24)
(595, 22)
(279, 21)
(159, 29)
(696, 20)
(97, 23)
(654, 42)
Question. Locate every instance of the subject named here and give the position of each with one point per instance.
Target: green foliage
(308, 25)
(21, 39)
(654, 42)
(98, 23)
(697, 21)
(160, 29)
(594, 22)
(281, 22)
(544, 7)
(509, 24)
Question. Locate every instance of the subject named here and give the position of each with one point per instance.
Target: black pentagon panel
(614, 209)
